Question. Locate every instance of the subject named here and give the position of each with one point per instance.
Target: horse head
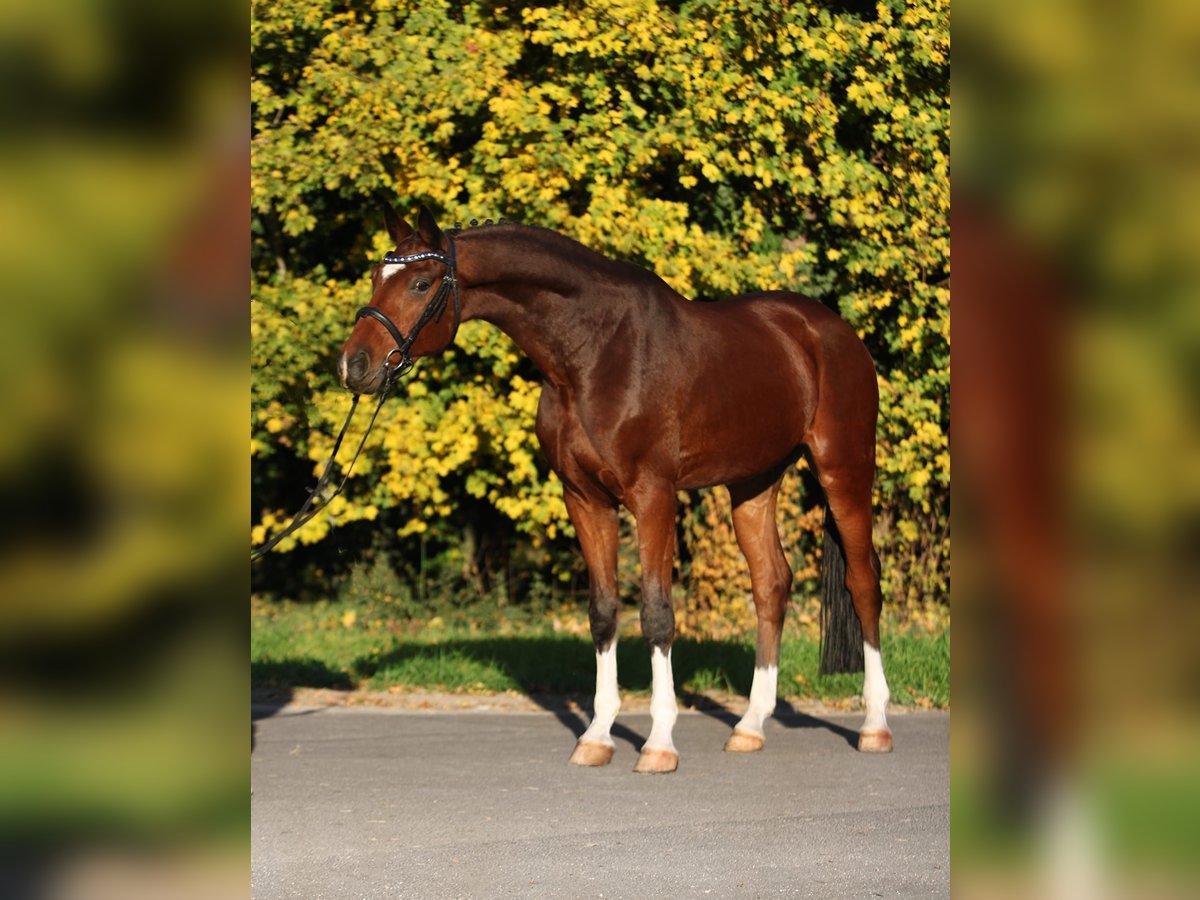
(411, 289)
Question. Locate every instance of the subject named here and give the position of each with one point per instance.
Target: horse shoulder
(568, 449)
(550, 422)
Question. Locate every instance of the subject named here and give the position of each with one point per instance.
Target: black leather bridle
(433, 309)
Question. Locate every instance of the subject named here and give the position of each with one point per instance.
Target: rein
(317, 499)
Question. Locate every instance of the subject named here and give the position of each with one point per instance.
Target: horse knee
(658, 622)
(602, 615)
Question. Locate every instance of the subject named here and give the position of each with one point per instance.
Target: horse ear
(396, 226)
(427, 227)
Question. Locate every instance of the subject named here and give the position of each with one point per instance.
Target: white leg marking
(875, 690)
(663, 709)
(762, 700)
(1073, 864)
(389, 270)
(608, 697)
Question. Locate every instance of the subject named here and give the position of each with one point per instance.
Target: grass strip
(325, 645)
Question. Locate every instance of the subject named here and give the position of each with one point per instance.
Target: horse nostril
(352, 369)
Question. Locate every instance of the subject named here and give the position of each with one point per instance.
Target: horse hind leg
(771, 580)
(849, 498)
(597, 528)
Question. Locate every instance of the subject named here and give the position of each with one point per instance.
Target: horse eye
(420, 286)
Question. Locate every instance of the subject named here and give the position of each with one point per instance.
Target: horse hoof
(587, 753)
(657, 762)
(879, 741)
(743, 742)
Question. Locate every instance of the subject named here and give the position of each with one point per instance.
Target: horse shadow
(272, 687)
(790, 717)
(557, 672)
(786, 714)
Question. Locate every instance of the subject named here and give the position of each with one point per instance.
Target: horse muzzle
(356, 373)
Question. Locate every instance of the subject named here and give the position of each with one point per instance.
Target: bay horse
(646, 394)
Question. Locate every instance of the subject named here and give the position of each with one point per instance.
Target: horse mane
(458, 227)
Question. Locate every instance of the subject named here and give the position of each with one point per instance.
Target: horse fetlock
(875, 690)
(606, 709)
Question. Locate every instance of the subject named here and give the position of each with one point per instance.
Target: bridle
(321, 495)
(433, 309)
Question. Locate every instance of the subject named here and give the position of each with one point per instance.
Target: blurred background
(123, 257)
(1076, 330)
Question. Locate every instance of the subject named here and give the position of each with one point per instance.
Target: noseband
(432, 312)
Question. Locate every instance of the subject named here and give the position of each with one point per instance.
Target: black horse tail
(841, 634)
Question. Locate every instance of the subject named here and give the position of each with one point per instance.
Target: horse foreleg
(595, 746)
(597, 528)
(771, 581)
(655, 514)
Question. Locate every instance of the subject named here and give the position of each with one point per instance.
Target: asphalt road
(382, 803)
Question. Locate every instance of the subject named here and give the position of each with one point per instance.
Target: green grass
(331, 645)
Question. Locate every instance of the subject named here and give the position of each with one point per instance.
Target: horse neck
(544, 291)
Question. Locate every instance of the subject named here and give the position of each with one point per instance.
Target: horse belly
(727, 443)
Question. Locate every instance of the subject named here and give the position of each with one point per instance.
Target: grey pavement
(355, 803)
